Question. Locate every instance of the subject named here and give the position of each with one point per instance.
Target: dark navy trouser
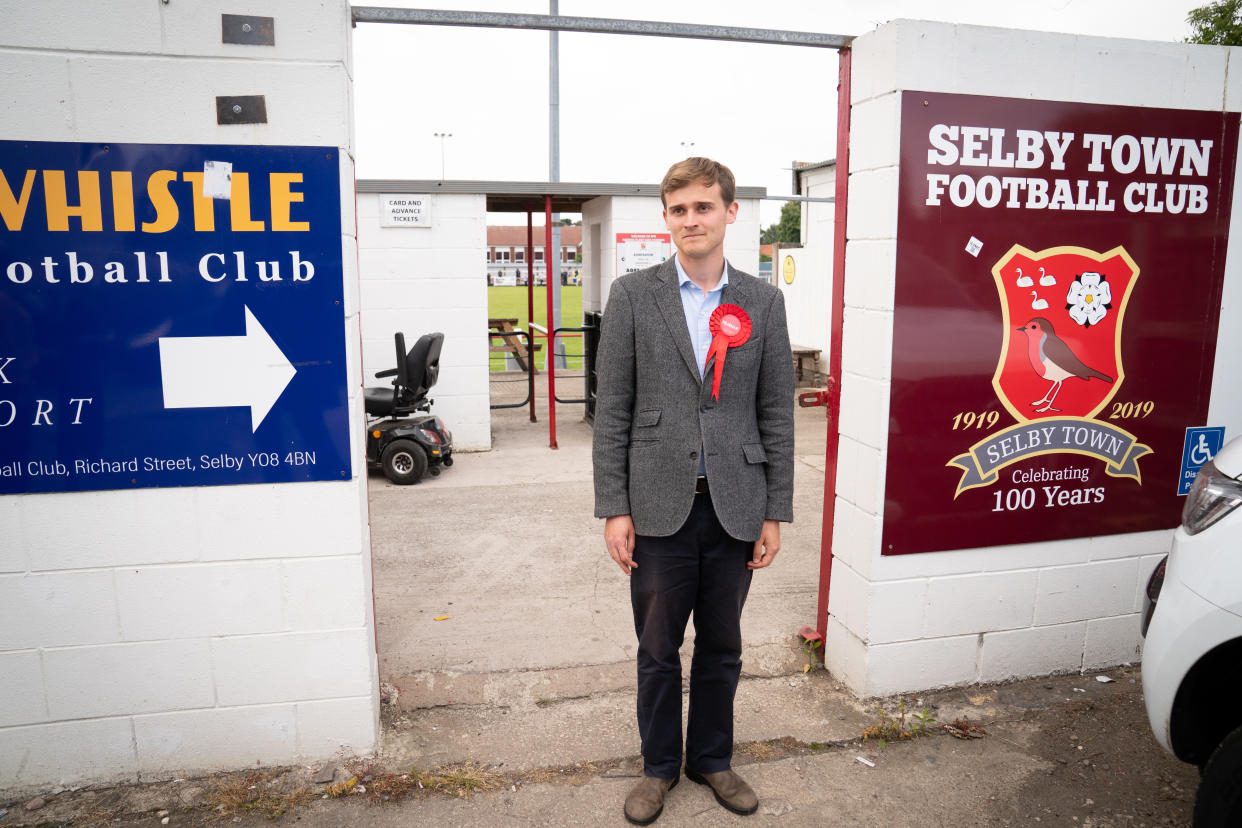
(699, 569)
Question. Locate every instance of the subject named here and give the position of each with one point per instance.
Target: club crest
(1062, 311)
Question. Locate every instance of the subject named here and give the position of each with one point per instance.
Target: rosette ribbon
(730, 327)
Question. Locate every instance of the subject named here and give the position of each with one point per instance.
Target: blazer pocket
(754, 453)
(754, 343)
(647, 417)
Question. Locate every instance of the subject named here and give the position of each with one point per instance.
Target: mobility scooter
(400, 441)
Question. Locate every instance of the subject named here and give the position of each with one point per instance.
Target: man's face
(696, 215)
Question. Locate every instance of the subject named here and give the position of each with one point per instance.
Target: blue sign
(170, 315)
(1201, 446)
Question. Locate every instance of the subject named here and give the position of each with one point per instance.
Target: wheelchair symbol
(1200, 453)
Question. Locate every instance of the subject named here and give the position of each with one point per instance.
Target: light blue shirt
(698, 307)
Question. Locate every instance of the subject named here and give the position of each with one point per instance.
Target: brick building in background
(506, 254)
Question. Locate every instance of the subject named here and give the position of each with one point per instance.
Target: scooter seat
(379, 402)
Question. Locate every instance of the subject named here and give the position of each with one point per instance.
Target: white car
(1192, 661)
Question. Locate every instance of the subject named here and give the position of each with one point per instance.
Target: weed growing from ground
(900, 727)
(256, 793)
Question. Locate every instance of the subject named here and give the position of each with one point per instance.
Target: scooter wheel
(403, 462)
(448, 461)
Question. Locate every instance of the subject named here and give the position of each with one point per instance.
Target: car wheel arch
(1202, 715)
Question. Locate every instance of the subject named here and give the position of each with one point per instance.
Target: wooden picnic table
(801, 352)
(513, 342)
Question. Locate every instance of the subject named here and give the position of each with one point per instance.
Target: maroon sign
(1059, 273)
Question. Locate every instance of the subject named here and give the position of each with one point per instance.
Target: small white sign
(405, 210)
(974, 246)
(636, 251)
(217, 179)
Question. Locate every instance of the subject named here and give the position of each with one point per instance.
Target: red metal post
(530, 308)
(836, 321)
(549, 358)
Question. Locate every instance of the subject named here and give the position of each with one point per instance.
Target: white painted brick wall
(119, 679)
(161, 611)
(898, 610)
(1112, 641)
(845, 655)
(1093, 590)
(874, 143)
(876, 261)
(985, 614)
(980, 603)
(198, 600)
(258, 669)
(873, 204)
(939, 662)
(867, 346)
(238, 737)
(856, 535)
(68, 753)
(57, 610)
(331, 727)
(1032, 651)
(323, 594)
(21, 687)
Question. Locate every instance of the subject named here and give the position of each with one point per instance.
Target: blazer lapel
(668, 299)
(736, 292)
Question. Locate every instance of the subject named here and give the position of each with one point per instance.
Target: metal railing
(586, 358)
(511, 354)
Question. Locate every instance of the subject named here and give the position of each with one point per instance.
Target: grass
(258, 793)
(510, 303)
(460, 780)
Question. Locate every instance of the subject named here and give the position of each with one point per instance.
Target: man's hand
(767, 546)
(619, 538)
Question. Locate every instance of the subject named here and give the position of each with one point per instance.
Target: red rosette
(730, 327)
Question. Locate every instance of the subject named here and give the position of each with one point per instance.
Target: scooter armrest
(391, 372)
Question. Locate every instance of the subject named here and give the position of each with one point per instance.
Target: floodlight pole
(552, 264)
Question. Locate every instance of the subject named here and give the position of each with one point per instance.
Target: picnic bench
(513, 345)
(801, 352)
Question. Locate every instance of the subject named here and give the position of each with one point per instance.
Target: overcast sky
(629, 103)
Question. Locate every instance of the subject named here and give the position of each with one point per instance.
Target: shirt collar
(683, 278)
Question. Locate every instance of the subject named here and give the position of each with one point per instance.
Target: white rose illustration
(1088, 299)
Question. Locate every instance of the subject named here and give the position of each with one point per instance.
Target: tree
(789, 229)
(1216, 24)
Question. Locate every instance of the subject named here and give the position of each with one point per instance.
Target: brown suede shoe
(646, 800)
(731, 790)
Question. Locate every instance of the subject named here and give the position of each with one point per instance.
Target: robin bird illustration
(1053, 360)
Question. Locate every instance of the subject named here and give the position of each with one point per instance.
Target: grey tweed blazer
(653, 414)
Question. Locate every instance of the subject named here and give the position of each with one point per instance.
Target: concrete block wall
(643, 214)
(420, 280)
(164, 632)
(912, 622)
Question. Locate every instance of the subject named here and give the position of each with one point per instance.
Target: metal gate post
(530, 308)
(836, 321)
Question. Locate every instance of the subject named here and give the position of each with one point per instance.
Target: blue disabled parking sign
(1201, 446)
(170, 315)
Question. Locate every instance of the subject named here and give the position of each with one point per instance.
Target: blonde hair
(698, 170)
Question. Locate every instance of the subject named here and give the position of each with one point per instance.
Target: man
(693, 456)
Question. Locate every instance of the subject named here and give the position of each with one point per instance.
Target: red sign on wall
(1059, 272)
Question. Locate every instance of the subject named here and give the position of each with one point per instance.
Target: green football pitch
(510, 303)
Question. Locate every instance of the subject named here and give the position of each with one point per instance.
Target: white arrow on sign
(220, 371)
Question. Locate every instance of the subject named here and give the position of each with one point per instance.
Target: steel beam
(597, 25)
